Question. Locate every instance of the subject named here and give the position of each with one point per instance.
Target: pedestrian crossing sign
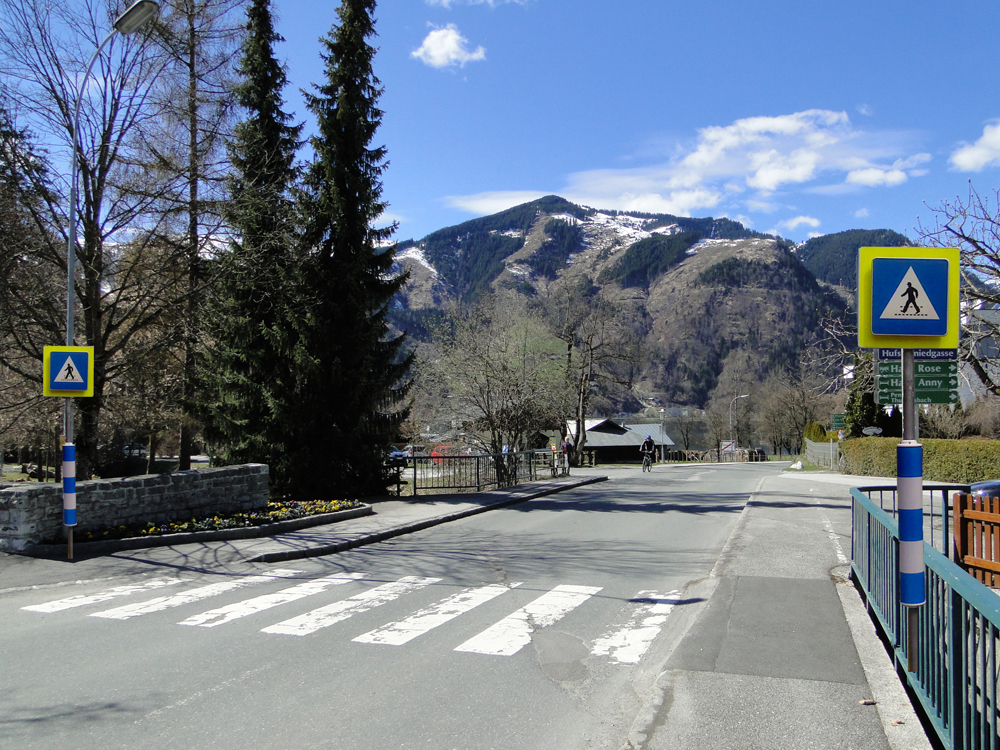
(908, 296)
(68, 371)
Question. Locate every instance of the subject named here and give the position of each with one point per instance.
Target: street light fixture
(745, 395)
(137, 14)
(663, 447)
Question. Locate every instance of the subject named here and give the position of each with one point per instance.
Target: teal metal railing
(957, 677)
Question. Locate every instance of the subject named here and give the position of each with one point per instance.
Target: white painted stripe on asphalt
(398, 633)
(832, 536)
(626, 646)
(258, 604)
(512, 633)
(166, 602)
(333, 613)
(82, 600)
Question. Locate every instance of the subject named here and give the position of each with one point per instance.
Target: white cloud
(446, 47)
(791, 224)
(983, 153)
(742, 165)
(861, 213)
(865, 110)
(493, 202)
(875, 176)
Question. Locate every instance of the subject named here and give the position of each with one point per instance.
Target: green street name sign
(920, 383)
(919, 368)
(920, 397)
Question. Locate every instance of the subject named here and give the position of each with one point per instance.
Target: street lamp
(133, 18)
(745, 395)
(663, 448)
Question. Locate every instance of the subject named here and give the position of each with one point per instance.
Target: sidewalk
(780, 653)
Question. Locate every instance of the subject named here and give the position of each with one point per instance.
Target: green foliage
(649, 258)
(816, 432)
(350, 373)
(247, 369)
(787, 274)
(834, 257)
(562, 240)
(954, 461)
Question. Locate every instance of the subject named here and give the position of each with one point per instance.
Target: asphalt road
(539, 625)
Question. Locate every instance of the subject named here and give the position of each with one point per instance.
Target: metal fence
(477, 473)
(825, 455)
(957, 677)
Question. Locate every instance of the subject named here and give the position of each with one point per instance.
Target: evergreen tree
(351, 371)
(248, 362)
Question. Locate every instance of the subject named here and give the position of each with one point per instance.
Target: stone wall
(33, 513)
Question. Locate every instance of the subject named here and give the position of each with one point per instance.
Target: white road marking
(333, 613)
(398, 633)
(258, 604)
(626, 646)
(512, 633)
(166, 602)
(81, 600)
(833, 537)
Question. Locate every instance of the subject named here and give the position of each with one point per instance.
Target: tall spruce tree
(248, 361)
(351, 371)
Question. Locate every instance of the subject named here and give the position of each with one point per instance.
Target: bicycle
(647, 462)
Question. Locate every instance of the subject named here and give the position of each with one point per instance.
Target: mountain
(833, 258)
(700, 290)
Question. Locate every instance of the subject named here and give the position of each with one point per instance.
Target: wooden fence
(977, 536)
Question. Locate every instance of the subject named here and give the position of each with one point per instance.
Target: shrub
(955, 461)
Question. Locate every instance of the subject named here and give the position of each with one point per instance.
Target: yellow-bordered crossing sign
(908, 297)
(68, 371)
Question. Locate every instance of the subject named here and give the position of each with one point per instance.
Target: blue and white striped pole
(69, 493)
(910, 492)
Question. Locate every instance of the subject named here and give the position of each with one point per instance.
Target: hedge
(954, 461)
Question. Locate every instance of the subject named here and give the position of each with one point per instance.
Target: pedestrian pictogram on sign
(68, 371)
(913, 290)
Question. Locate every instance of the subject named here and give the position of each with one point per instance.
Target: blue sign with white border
(68, 371)
(909, 297)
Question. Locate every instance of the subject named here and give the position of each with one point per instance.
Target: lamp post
(137, 14)
(663, 447)
(745, 395)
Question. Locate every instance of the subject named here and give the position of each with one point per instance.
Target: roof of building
(608, 433)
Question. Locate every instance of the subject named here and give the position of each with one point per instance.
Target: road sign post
(68, 372)
(908, 298)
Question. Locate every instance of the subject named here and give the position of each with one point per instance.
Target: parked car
(134, 450)
(439, 453)
(415, 451)
(397, 455)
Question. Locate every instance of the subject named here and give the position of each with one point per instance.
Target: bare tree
(601, 348)
(128, 273)
(972, 225)
(502, 368)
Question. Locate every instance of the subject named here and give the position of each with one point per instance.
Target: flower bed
(276, 511)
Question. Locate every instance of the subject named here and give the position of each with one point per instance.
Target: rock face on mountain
(698, 290)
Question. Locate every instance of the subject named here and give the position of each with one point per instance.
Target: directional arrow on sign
(934, 368)
(920, 397)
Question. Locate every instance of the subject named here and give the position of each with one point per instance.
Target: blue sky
(801, 118)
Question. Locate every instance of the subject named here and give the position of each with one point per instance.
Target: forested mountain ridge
(834, 257)
(698, 290)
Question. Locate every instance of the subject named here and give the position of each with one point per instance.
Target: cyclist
(646, 449)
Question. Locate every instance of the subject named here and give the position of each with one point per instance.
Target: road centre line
(166, 602)
(512, 633)
(403, 631)
(260, 603)
(333, 613)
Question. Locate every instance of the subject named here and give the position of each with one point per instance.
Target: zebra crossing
(625, 642)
